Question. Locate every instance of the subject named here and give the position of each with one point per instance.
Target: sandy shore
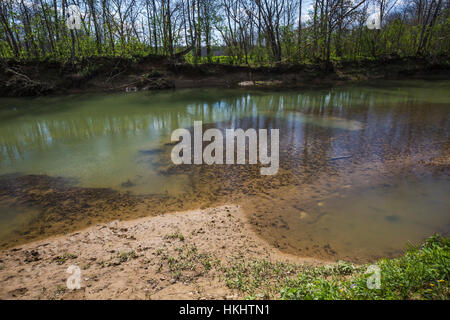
(172, 256)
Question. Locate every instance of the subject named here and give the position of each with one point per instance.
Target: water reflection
(128, 116)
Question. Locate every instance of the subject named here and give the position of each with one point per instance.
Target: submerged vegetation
(422, 272)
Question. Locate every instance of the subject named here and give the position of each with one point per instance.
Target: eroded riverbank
(102, 74)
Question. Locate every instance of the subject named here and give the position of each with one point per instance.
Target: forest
(238, 32)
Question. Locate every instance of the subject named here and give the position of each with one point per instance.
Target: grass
(176, 235)
(59, 291)
(116, 260)
(63, 258)
(125, 256)
(421, 273)
(259, 279)
(186, 262)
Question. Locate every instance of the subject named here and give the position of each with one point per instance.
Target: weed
(125, 256)
(63, 258)
(176, 235)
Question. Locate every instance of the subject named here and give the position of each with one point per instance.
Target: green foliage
(186, 259)
(258, 278)
(63, 258)
(421, 273)
(125, 256)
(40, 33)
(176, 235)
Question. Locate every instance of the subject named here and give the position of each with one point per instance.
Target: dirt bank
(183, 255)
(102, 74)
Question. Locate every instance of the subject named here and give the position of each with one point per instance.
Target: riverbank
(205, 254)
(181, 255)
(102, 74)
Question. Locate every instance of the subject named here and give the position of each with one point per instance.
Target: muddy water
(363, 170)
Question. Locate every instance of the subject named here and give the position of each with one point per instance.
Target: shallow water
(363, 170)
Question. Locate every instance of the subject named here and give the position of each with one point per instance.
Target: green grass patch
(186, 262)
(125, 256)
(63, 258)
(422, 272)
(176, 235)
